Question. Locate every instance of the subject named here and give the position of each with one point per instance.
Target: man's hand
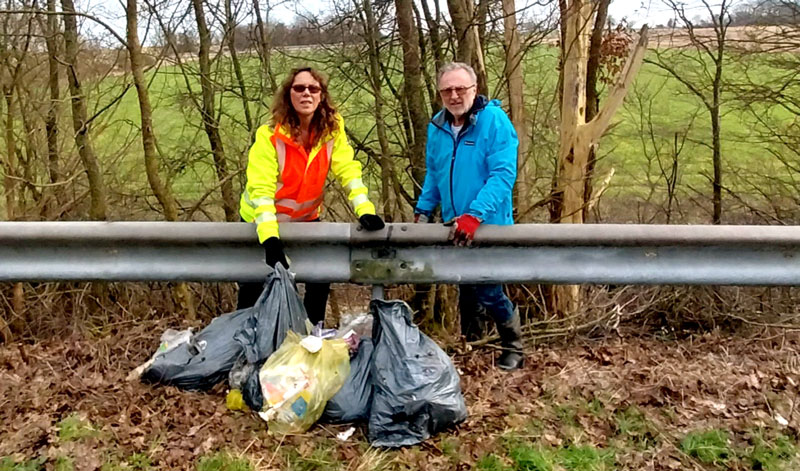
(421, 218)
(273, 251)
(371, 222)
(463, 229)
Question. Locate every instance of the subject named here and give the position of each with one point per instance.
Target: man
(472, 165)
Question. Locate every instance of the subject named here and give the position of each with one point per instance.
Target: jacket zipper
(452, 165)
(456, 140)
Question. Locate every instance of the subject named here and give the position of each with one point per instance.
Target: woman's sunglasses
(311, 88)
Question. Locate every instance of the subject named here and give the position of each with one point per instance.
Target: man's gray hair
(451, 66)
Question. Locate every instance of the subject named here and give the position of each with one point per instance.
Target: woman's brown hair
(323, 123)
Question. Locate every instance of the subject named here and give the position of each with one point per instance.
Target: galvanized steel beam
(403, 253)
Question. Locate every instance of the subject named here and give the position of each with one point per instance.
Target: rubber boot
(510, 332)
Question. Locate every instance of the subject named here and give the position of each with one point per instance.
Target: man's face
(458, 92)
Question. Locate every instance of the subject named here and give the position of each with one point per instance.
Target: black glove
(273, 251)
(371, 222)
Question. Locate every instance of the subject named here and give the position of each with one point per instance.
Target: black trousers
(315, 300)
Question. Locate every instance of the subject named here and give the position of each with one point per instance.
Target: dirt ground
(620, 402)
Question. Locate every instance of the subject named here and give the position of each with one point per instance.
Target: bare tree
(462, 13)
(375, 77)
(412, 90)
(230, 32)
(516, 90)
(592, 92)
(703, 76)
(51, 122)
(578, 135)
(162, 192)
(97, 188)
(210, 121)
(433, 22)
(264, 41)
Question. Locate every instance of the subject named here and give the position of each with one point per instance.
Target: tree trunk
(97, 187)
(424, 54)
(592, 95)
(28, 160)
(237, 67)
(437, 44)
(387, 168)
(479, 19)
(209, 117)
(151, 162)
(716, 144)
(465, 39)
(413, 91)
(264, 46)
(10, 163)
(51, 121)
(577, 135)
(516, 90)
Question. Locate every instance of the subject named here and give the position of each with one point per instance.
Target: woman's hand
(273, 251)
(371, 222)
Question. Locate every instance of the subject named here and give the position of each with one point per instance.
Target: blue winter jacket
(475, 171)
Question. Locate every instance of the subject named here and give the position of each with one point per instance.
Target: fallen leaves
(680, 386)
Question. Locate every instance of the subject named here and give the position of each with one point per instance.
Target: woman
(286, 172)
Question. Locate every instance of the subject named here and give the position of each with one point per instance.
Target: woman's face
(306, 94)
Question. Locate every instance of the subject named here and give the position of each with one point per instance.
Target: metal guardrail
(403, 253)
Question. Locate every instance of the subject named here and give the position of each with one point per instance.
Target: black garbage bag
(252, 334)
(416, 388)
(351, 403)
(205, 359)
(277, 311)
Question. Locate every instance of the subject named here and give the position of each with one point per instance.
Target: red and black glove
(463, 229)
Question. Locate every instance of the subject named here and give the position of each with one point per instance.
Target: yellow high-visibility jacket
(284, 183)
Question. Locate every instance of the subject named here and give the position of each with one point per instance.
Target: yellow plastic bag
(299, 379)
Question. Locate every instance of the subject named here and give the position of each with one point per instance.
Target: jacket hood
(478, 105)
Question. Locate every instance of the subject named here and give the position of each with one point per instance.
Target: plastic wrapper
(361, 324)
(297, 383)
(351, 403)
(416, 388)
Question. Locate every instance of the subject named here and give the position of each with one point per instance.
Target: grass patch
(586, 458)
(75, 427)
(9, 464)
(776, 454)
(64, 463)
(224, 461)
(565, 413)
(318, 460)
(709, 447)
(532, 458)
(491, 462)
(595, 407)
(450, 449)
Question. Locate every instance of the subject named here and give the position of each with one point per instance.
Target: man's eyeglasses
(311, 88)
(460, 91)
